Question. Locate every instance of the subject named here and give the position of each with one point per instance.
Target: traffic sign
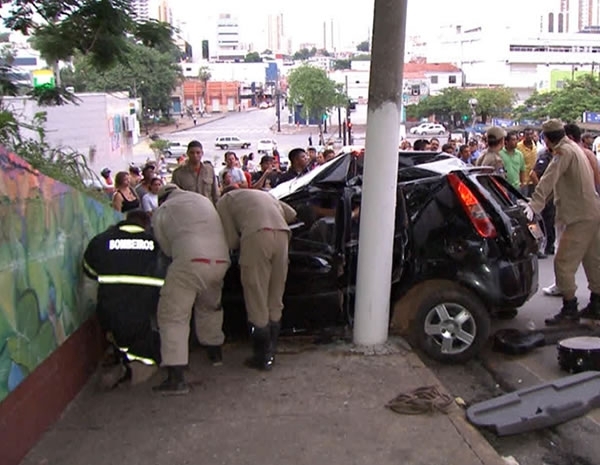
(43, 78)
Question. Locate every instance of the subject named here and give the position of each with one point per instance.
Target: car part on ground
(577, 354)
(516, 342)
(540, 406)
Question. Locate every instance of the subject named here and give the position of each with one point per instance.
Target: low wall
(49, 342)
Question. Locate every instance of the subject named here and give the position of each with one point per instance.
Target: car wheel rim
(452, 327)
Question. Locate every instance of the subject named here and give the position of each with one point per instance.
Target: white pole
(378, 206)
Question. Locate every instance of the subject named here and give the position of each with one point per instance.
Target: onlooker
(134, 176)
(587, 139)
(195, 176)
(434, 144)
(142, 188)
(514, 163)
(328, 154)
(150, 200)
(124, 199)
(474, 149)
(108, 184)
(574, 133)
(312, 158)
(421, 145)
(267, 177)
(447, 148)
(299, 160)
(464, 154)
(528, 148)
(232, 166)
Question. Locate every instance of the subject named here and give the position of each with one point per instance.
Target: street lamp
(473, 102)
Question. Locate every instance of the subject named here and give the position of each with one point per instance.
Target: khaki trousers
(264, 267)
(190, 285)
(579, 244)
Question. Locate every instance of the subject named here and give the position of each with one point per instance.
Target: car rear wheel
(224, 147)
(444, 320)
(441, 133)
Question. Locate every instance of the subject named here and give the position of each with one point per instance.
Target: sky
(303, 20)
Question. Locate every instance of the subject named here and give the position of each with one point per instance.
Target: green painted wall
(44, 229)
(558, 77)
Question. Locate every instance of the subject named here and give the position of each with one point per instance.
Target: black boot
(261, 348)
(215, 355)
(568, 314)
(274, 328)
(592, 311)
(174, 385)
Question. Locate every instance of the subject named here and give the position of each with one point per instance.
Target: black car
(463, 250)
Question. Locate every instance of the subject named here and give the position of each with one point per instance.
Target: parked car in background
(425, 129)
(263, 105)
(175, 150)
(231, 142)
(266, 145)
(463, 250)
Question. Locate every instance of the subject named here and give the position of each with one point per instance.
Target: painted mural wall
(44, 229)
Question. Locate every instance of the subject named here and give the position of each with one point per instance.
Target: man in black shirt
(267, 177)
(299, 160)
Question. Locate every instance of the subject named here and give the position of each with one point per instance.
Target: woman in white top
(150, 200)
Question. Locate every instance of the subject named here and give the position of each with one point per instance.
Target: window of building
(560, 84)
(25, 61)
(451, 79)
(434, 79)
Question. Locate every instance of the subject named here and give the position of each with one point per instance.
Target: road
(252, 126)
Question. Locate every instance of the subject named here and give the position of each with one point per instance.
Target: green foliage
(579, 95)
(159, 146)
(267, 52)
(204, 74)
(304, 54)
(311, 88)
(253, 57)
(452, 103)
(147, 73)
(342, 64)
(364, 46)
(362, 57)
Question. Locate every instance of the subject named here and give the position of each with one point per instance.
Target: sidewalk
(321, 405)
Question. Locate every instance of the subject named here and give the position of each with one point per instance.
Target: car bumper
(503, 283)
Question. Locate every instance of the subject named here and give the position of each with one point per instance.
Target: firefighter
(189, 230)
(257, 223)
(124, 260)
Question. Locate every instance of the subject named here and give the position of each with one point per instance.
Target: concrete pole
(378, 207)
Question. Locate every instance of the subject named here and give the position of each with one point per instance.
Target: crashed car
(463, 250)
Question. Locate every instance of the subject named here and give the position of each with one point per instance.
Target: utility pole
(339, 123)
(380, 177)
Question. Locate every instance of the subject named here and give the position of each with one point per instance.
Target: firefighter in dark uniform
(125, 261)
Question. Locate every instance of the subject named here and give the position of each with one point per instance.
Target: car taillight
(473, 208)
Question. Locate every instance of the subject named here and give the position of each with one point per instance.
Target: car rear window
(500, 190)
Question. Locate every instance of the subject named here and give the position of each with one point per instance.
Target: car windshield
(265, 141)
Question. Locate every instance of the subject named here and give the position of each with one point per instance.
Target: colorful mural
(44, 228)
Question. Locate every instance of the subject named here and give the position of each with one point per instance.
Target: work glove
(529, 213)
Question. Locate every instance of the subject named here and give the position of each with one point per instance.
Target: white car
(266, 145)
(428, 129)
(263, 105)
(231, 142)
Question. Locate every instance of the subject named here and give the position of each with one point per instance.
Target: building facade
(275, 34)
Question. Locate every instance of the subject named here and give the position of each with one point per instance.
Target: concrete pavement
(320, 405)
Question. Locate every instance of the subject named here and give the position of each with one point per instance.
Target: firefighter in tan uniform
(569, 176)
(188, 229)
(257, 224)
(196, 176)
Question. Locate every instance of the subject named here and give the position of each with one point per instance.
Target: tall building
(228, 32)
(571, 16)
(275, 35)
(144, 10)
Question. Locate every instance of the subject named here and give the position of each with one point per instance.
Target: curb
(472, 437)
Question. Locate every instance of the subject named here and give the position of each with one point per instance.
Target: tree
(362, 57)
(568, 103)
(266, 51)
(137, 76)
(313, 90)
(364, 46)
(453, 103)
(253, 57)
(324, 53)
(342, 64)
(204, 75)
(302, 54)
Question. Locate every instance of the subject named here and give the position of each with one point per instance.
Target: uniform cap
(165, 190)
(552, 125)
(496, 132)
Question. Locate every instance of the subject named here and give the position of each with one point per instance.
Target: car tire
(441, 133)
(443, 319)
(224, 147)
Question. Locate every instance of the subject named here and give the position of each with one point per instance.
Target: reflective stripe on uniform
(131, 228)
(134, 358)
(128, 279)
(89, 269)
